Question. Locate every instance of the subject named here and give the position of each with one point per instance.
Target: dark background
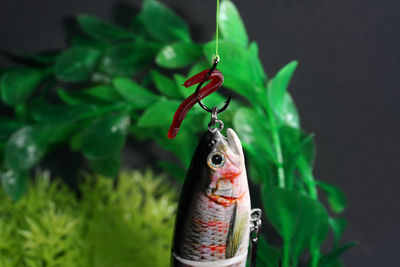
(346, 87)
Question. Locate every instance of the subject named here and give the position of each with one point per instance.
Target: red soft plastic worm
(216, 78)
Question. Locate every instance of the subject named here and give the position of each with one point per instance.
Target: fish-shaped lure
(213, 220)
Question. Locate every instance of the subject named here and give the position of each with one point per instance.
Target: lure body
(213, 220)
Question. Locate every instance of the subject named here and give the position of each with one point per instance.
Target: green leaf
(14, 183)
(253, 130)
(183, 145)
(105, 93)
(234, 64)
(59, 113)
(178, 55)
(332, 259)
(199, 67)
(134, 93)
(126, 59)
(261, 170)
(267, 255)
(76, 64)
(338, 226)
(159, 114)
(18, 85)
(336, 198)
(26, 147)
(85, 41)
(8, 126)
(289, 114)
(137, 26)
(301, 221)
(277, 87)
(258, 72)
(97, 95)
(256, 171)
(102, 30)
(165, 85)
(75, 142)
(180, 80)
(69, 98)
(231, 25)
(105, 136)
(305, 162)
(108, 167)
(162, 23)
(295, 144)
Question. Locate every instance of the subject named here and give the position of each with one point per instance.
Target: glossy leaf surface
(178, 55)
(134, 93)
(234, 64)
(299, 220)
(253, 130)
(18, 85)
(76, 64)
(125, 60)
(26, 147)
(162, 23)
(231, 25)
(159, 114)
(289, 114)
(102, 30)
(105, 136)
(336, 198)
(277, 87)
(165, 85)
(14, 183)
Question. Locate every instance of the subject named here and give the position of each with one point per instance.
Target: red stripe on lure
(216, 78)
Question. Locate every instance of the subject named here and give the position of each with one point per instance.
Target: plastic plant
(129, 224)
(101, 105)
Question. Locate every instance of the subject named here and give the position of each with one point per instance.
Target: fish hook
(227, 101)
(216, 78)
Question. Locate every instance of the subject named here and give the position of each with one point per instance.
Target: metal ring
(255, 214)
(213, 129)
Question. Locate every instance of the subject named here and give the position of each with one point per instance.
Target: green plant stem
(308, 178)
(278, 147)
(315, 257)
(286, 254)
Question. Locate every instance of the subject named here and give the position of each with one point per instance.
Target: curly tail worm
(216, 78)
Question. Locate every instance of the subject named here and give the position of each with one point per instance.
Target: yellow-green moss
(128, 223)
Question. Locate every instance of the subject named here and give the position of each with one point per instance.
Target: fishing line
(217, 32)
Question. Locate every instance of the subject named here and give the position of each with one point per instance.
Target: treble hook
(216, 78)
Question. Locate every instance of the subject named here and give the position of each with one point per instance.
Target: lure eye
(216, 160)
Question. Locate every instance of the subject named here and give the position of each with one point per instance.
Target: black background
(346, 87)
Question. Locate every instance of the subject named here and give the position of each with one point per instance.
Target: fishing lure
(214, 217)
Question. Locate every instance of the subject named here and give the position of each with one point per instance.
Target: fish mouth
(234, 143)
(223, 199)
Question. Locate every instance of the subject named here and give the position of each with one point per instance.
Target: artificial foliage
(113, 82)
(128, 222)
